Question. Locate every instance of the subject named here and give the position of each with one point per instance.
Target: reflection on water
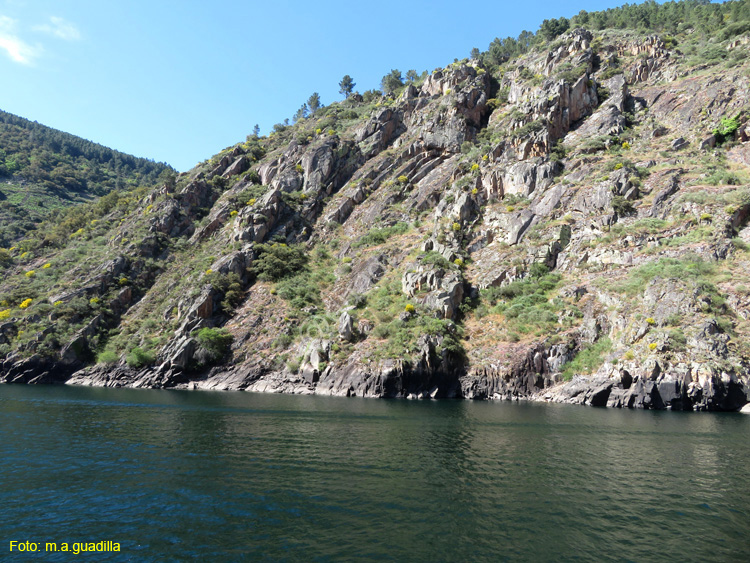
(237, 476)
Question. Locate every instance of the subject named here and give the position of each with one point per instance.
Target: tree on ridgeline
(313, 103)
(301, 113)
(346, 86)
(392, 81)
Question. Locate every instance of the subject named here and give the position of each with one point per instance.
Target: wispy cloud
(60, 28)
(15, 47)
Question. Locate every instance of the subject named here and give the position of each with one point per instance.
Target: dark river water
(198, 476)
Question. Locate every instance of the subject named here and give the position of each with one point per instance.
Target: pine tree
(313, 103)
(301, 113)
(346, 85)
(392, 81)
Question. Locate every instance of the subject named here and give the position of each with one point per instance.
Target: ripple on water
(237, 476)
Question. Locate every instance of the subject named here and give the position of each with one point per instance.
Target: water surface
(176, 476)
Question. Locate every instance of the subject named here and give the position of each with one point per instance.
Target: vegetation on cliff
(567, 206)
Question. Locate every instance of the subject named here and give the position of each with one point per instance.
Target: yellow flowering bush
(47, 265)
(30, 274)
(25, 304)
(4, 314)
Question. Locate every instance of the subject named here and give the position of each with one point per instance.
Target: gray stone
(679, 143)
(346, 327)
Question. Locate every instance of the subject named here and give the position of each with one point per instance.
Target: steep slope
(569, 226)
(43, 170)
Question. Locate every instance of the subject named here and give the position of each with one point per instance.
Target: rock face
(571, 228)
(440, 291)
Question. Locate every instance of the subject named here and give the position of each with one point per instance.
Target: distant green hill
(43, 170)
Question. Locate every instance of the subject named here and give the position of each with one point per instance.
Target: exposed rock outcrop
(571, 226)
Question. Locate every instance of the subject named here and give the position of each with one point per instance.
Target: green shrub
(722, 177)
(357, 300)
(610, 71)
(276, 261)
(538, 270)
(596, 144)
(138, 358)
(107, 357)
(622, 206)
(571, 74)
(215, 341)
(529, 128)
(740, 244)
(436, 259)
(380, 235)
(713, 54)
(300, 291)
(253, 177)
(557, 154)
(677, 339)
(282, 341)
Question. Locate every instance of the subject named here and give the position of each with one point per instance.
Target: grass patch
(588, 359)
(378, 236)
(667, 268)
(526, 304)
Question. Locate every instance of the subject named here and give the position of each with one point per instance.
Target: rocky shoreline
(397, 380)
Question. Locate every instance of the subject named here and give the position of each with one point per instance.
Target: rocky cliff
(570, 226)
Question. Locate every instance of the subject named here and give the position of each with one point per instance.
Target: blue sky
(177, 81)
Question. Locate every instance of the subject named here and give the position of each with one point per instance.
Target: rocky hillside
(569, 225)
(44, 171)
